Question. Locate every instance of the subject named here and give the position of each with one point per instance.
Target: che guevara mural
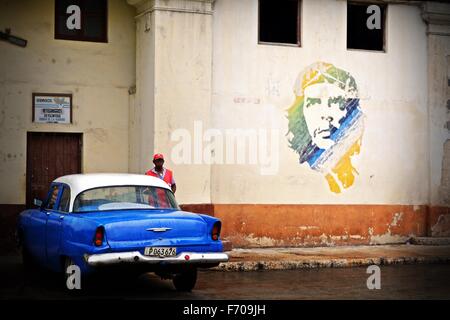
(326, 123)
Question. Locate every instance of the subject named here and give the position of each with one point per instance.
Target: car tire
(29, 265)
(185, 281)
(32, 271)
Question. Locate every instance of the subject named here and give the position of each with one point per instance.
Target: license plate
(160, 251)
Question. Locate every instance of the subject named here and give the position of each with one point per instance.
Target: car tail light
(99, 236)
(216, 231)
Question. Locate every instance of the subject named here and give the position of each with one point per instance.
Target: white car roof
(81, 182)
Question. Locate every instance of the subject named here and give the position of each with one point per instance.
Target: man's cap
(158, 156)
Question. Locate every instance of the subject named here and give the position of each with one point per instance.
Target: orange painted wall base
(271, 225)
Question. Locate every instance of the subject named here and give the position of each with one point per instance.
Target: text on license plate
(160, 251)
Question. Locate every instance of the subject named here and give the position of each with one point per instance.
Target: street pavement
(417, 281)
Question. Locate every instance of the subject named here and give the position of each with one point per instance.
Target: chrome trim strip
(106, 259)
(162, 229)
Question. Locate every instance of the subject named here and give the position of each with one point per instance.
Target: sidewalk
(335, 257)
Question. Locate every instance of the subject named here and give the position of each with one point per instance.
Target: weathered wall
(174, 43)
(438, 30)
(392, 164)
(267, 225)
(277, 201)
(199, 66)
(397, 191)
(321, 225)
(183, 72)
(97, 74)
(142, 119)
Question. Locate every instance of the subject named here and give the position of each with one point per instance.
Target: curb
(430, 241)
(331, 263)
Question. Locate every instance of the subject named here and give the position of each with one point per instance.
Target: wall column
(173, 88)
(437, 17)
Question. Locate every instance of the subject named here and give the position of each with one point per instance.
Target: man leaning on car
(160, 172)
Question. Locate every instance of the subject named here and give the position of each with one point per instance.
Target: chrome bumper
(134, 257)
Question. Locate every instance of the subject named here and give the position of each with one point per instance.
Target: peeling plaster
(308, 227)
(396, 219)
(261, 241)
(388, 237)
(326, 240)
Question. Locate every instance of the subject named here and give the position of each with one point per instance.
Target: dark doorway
(50, 155)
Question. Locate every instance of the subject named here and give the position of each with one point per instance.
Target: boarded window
(279, 21)
(366, 26)
(81, 20)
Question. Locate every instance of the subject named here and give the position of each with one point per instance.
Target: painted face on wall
(326, 123)
(324, 108)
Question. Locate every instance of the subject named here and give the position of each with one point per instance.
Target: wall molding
(145, 7)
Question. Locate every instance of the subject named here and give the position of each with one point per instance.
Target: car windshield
(124, 197)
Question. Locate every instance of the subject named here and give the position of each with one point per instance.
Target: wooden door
(50, 155)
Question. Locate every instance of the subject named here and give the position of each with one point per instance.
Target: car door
(36, 232)
(56, 211)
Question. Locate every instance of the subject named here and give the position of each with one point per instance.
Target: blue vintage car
(98, 221)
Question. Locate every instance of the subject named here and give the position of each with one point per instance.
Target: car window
(65, 200)
(52, 198)
(124, 197)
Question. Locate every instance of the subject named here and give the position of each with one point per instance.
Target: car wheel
(32, 272)
(185, 281)
(29, 264)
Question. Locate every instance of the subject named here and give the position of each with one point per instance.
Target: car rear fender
(78, 238)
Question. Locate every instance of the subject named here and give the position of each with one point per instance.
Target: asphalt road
(430, 281)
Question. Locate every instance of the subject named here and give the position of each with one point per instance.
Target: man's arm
(173, 184)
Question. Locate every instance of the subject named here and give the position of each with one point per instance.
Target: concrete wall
(183, 73)
(438, 30)
(174, 63)
(392, 163)
(439, 112)
(189, 79)
(142, 117)
(271, 199)
(397, 190)
(97, 74)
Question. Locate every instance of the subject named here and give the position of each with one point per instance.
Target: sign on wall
(81, 20)
(52, 108)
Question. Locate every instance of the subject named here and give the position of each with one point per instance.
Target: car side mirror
(37, 202)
